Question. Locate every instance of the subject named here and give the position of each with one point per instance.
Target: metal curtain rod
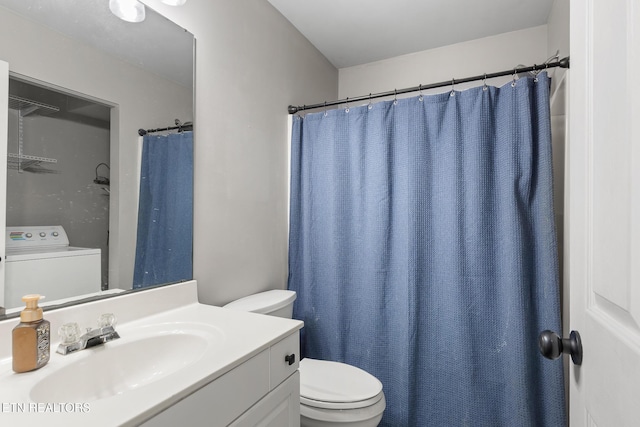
(562, 63)
(182, 127)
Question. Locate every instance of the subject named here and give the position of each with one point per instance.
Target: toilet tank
(274, 303)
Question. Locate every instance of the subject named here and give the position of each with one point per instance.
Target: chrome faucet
(72, 341)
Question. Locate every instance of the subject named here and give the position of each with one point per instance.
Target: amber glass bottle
(31, 337)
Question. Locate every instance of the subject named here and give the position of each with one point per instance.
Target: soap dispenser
(31, 337)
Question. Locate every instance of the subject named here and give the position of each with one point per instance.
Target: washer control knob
(28, 235)
(55, 234)
(43, 234)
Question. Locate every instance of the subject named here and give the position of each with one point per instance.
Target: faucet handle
(106, 320)
(69, 333)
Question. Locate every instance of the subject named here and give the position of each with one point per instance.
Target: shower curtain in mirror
(165, 212)
(423, 250)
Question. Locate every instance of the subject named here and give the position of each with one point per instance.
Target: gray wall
(471, 58)
(250, 64)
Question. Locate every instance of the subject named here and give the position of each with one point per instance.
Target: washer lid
(336, 382)
(38, 253)
(263, 302)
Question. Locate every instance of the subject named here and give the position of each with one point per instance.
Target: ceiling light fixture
(174, 2)
(127, 10)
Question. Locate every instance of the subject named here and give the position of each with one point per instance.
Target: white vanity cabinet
(177, 363)
(262, 391)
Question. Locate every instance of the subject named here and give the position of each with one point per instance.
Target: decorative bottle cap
(32, 313)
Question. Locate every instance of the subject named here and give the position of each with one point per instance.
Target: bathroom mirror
(140, 74)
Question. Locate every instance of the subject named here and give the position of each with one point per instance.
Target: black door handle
(552, 346)
(290, 359)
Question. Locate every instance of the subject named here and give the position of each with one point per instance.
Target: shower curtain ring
(346, 110)
(325, 108)
(484, 82)
(420, 98)
(515, 74)
(453, 91)
(369, 106)
(395, 97)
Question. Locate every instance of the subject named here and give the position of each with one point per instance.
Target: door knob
(552, 346)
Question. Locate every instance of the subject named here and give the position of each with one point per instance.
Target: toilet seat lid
(334, 382)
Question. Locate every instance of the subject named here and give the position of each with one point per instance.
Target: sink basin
(139, 358)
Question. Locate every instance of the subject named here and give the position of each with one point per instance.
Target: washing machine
(39, 260)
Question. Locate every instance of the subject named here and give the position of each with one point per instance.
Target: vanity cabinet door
(220, 402)
(280, 408)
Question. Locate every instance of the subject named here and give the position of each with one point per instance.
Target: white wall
(476, 57)
(143, 100)
(558, 40)
(558, 28)
(251, 63)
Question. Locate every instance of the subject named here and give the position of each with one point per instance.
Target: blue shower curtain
(423, 250)
(165, 213)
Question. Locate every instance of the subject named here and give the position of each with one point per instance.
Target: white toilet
(331, 393)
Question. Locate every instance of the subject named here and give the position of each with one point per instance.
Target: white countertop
(43, 303)
(240, 337)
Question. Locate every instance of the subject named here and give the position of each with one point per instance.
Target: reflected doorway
(59, 165)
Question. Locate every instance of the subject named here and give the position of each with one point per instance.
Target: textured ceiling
(157, 44)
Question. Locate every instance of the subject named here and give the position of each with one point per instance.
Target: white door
(4, 119)
(603, 229)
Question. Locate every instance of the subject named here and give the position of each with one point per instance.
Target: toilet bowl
(334, 393)
(331, 393)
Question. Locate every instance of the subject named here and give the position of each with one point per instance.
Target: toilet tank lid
(263, 302)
